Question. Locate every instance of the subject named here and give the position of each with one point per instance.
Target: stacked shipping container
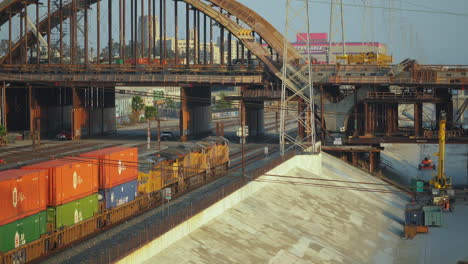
(51, 195)
(118, 172)
(70, 180)
(23, 199)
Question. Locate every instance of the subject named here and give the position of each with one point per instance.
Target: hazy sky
(431, 38)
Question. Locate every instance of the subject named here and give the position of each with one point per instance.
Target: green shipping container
(22, 231)
(432, 216)
(119, 61)
(73, 212)
(419, 186)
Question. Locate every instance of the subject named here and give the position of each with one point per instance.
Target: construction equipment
(440, 181)
(366, 58)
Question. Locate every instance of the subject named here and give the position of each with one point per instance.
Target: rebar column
(176, 34)
(184, 114)
(10, 59)
(222, 44)
(25, 34)
(142, 29)
(211, 41)
(37, 32)
(98, 33)
(204, 40)
(195, 30)
(161, 28)
(418, 119)
(187, 34)
(229, 57)
(86, 58)
(198, 37)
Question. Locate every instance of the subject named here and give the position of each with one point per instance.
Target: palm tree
(151, 113)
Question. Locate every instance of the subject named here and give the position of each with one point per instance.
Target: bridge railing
(127, 67)
(403, 95)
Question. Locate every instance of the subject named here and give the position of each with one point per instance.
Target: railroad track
(29, 156)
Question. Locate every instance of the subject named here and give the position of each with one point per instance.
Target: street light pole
(242, 138)
(159, 134)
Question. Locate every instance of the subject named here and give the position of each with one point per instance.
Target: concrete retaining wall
(306, 162)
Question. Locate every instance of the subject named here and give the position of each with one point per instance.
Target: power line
(397, 9)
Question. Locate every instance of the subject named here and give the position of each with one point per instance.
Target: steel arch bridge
(253, 33)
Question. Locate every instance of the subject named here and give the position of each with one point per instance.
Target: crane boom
(441, 181)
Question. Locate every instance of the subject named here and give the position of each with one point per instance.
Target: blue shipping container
(120, 194)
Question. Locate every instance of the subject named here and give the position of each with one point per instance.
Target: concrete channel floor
(285, 223)
(446, 244)
(87, 251)
(302, 224)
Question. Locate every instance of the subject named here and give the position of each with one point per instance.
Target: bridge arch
(233, 8)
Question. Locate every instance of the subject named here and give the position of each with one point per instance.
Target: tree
(222, 102)
(151, 113)
(137, 106)
(3, 135)
(170, 103)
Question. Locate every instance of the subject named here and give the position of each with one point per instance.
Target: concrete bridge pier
(254, 118)
(93, 111)
(195, 117)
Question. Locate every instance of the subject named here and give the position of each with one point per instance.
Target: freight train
(49, 205)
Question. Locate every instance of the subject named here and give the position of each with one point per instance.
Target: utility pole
(342, 29)
(330, 34)
(148, 132)
(242, 138)
(159, 134)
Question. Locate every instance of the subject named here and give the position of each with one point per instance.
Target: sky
(430, 31)
(430, 38)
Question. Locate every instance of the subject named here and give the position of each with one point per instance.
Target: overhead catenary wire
(396, 8)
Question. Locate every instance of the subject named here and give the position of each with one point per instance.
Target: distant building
(320, 45)
(156, 94)
(147, 23)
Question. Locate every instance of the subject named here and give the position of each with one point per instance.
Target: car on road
(167, 135)
(63, 136)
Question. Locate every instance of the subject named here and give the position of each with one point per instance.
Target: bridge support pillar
(195, 117)
(79, 115)
(254, 118)
(369, 110)
(392, 118)
(3, 106)
(418, 119)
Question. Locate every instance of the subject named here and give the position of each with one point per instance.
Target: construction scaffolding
(297, 83)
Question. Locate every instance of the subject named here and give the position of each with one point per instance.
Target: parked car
(167, 135)
(62, 135)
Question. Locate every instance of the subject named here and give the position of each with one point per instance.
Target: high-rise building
(149, 34)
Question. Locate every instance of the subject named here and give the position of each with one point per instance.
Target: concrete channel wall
(306, 162)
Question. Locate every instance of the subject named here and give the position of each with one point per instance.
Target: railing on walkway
(403, 95)
(142, 237)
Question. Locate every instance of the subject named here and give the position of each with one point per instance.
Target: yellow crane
(440, 181)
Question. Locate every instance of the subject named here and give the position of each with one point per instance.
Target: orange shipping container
(70, 179)
(22, 193)
(117, 165)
